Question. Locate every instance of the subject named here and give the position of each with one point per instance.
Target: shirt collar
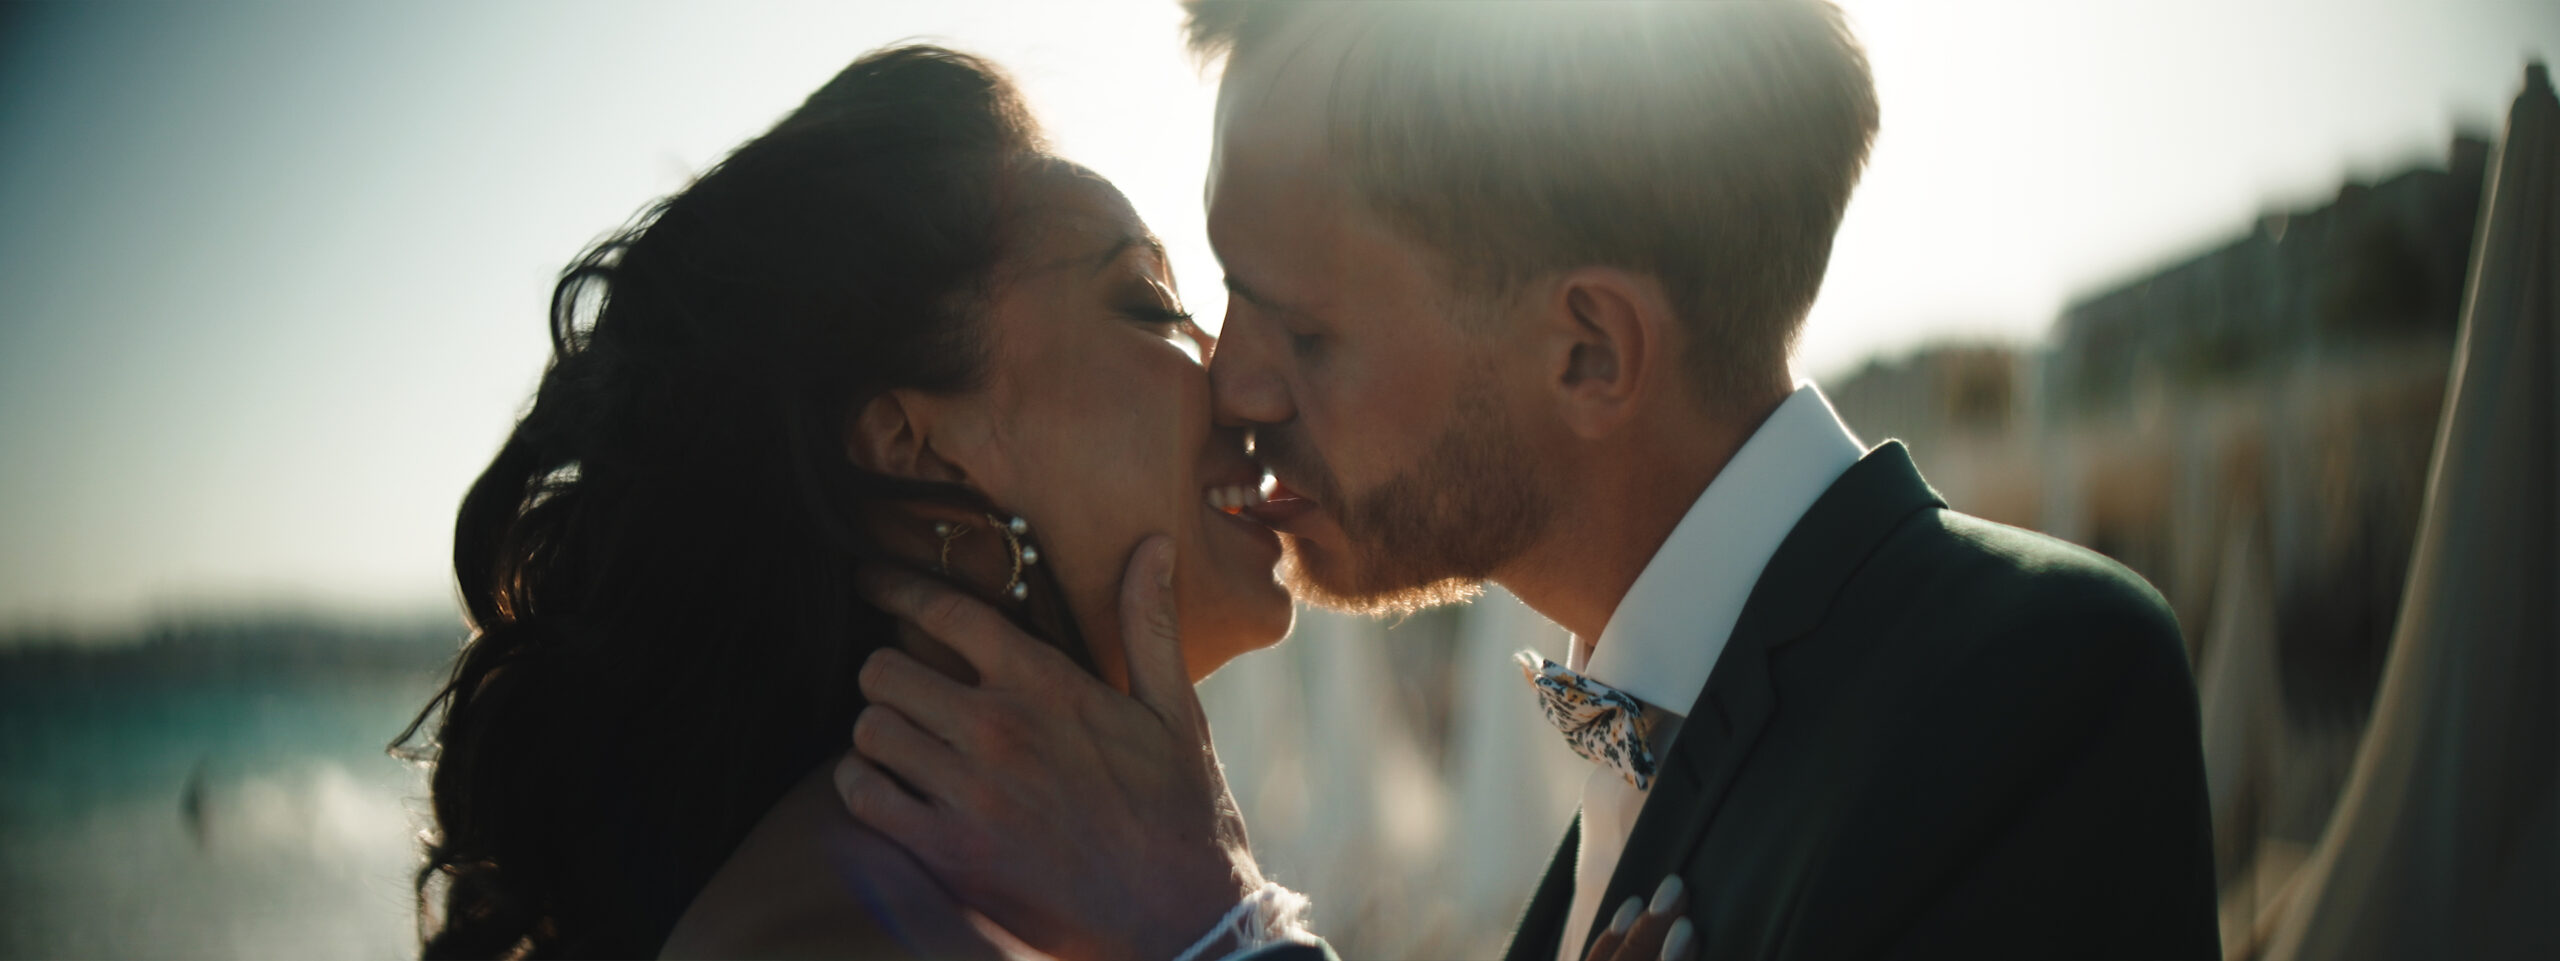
(1667, 632)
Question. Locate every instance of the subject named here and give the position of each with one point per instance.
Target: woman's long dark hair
(658, 562)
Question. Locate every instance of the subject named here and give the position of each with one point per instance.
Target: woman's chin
(1275, 625)
(1242, 632)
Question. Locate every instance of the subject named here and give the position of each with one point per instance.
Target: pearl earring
(1022, 554)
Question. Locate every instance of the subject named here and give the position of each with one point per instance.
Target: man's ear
(892, 434)
(1612, 332)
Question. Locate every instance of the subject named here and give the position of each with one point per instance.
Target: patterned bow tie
(1605, 725)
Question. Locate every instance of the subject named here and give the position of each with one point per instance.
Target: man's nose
(1246, 385)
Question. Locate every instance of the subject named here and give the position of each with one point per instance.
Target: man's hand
(1089, 823)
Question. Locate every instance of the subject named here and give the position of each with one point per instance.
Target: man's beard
(1433, 533)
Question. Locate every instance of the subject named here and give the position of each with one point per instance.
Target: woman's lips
(1231, 503)
(1233, 498)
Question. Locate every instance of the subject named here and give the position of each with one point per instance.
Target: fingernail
(1164, 562)
(1675, 945)
(847, 772)
(862, 675)
(1626, 919)
(1664, 895)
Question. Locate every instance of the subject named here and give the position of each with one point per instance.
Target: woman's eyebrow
(1122, 245)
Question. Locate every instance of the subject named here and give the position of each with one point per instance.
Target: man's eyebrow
(1254, 297)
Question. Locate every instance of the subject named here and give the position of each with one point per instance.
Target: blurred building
(2250, 430)
(1969, 414)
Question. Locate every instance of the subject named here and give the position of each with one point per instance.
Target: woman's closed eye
(1165, 321)
(1173, 324)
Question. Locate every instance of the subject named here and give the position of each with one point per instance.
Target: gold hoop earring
(948, 531)
(1022, 555)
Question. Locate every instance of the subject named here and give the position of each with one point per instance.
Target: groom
(1514, 287)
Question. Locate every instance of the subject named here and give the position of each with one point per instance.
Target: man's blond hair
(1712, 145)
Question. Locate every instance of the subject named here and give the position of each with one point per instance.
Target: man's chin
(1326, 578)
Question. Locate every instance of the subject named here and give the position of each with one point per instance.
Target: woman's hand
(1645, 932)
(1088, 822)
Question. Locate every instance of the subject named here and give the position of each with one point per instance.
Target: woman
(892, 330)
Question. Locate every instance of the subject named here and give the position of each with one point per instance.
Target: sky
(273, 275)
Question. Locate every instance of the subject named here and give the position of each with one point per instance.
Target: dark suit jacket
(1930, 735)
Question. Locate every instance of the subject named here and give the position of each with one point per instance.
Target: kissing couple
(893, 423)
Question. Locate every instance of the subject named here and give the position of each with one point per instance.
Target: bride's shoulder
(809, 881)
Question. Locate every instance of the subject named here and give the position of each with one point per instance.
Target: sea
(214, 790)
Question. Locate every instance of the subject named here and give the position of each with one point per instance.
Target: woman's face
(1094, 425)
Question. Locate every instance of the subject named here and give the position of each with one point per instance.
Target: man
(1514, 287)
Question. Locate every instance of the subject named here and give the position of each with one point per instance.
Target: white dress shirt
(1663, 639)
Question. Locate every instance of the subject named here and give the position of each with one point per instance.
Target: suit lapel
(1542, 925)
(1790, 599)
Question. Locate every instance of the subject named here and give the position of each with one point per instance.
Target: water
(232, 804)
(1403, 782)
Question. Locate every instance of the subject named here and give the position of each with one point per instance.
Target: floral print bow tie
(1605, 725)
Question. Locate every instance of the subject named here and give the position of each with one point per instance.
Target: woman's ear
(892, 434)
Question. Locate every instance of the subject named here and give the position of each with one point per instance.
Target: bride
(893, 330)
